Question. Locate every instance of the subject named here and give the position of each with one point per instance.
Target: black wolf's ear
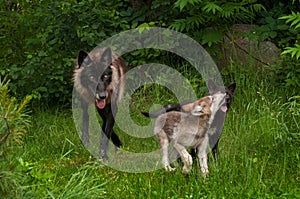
(211, 86)
(106, 57)
(232, 87)
(82, 55)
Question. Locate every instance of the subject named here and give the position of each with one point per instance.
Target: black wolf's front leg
(85, 137)
(106, 137)
(215, 150)
(115, 139)
(107, 128)
(107, 114)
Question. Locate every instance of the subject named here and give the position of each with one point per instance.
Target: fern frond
(228, 11)
(293, 18)
(258, 7)
(211, 7)
(183, 3)
(188, 23)
(293, 51)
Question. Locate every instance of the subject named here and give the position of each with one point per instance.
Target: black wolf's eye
(92, 77)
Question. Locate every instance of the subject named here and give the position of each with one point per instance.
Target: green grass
(259, 156)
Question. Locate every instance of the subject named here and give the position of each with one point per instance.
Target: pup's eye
(105, 77)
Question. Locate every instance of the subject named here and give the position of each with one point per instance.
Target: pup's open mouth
(100, 103)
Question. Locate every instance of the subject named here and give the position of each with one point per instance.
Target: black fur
(219, 117)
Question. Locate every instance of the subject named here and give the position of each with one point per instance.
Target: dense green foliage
(40, 39)
(207, 21)
(294, 20)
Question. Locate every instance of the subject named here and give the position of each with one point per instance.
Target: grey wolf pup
(98, 80)
(215, 130)
(188, 129)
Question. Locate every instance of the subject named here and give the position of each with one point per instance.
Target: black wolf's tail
(167, 108)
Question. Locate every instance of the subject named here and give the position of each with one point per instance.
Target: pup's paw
(85, 138)
(185, 170)
(205, 172)
(187, 159)
(169, 168)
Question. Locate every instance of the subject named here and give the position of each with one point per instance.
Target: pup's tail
(167, 108)
(145, 114)
(154, 114)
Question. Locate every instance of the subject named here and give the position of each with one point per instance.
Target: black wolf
(214, 131)
(98, 78)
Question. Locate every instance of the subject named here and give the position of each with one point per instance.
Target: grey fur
(188, 129)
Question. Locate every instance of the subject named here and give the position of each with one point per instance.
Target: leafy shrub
(294, 20)
(287, 73)
(41, 40)
(14, 121)
(207, 20)
(292, 115)
(14, 118)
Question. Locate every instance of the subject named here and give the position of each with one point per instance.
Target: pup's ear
(106, 57)
(212, 87)
(187, 107)
(232, 87)
(197, 111)
(82, 55)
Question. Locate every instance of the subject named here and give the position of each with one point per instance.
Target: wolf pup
(98, 80)
(188, 129)
(215, 130)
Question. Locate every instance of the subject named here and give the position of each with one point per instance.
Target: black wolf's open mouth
(100, 103)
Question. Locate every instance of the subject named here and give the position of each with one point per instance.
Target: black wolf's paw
(103, 156)
(118, 145)
(85, 139)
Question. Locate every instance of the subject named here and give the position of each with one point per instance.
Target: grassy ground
(259, 154)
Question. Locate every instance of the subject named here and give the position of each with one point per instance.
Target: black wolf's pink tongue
(224, 109)
(100, 103)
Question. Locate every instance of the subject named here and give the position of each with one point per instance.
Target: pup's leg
(202, 155)
(85, 137)
(164, 144)
(185, 157)
(174, 155)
